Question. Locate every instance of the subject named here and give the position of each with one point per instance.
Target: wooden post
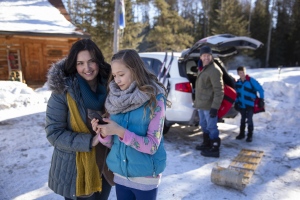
(116, 27)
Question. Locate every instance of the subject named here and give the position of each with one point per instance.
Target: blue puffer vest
(129, 162)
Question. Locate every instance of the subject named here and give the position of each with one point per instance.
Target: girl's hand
(112, 128)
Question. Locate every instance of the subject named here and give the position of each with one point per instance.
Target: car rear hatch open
(222, 45)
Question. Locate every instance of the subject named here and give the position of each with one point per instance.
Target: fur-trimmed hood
(57, 80)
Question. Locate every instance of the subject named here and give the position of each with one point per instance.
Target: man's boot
(242, 133)
(205, 144)
(250, 134)
(214, 150)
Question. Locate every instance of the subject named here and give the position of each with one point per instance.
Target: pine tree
(246, 10)
(132, 35)
(230, 19)
(95, 17)
(191, 10)
(103, 28)
(169, 31)
(210, 8)
(280, 44)
(294, 39)
(260, 21)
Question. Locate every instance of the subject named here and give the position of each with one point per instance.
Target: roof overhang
(65, 35)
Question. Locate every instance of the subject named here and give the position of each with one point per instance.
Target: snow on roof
(35, 16)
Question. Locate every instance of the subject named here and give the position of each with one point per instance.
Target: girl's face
(86, 67)
(122, 75)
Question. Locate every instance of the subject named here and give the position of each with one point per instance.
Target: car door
(223, 45)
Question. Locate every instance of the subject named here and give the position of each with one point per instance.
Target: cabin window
(55, 53)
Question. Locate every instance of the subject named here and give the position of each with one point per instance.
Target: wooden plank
(247, 159)
(239, 171)
(253, 153)
(243, 165)
(251, 160)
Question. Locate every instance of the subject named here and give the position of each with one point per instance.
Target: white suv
(180, 73)
(179, 88)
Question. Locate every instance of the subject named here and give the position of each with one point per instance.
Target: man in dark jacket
(208, 99)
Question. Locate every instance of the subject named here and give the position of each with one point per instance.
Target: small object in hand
(94, 115)
(213, 112)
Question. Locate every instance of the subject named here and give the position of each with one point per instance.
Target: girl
(136, 105)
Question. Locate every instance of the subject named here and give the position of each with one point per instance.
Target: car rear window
(182, 69)
(152, 64)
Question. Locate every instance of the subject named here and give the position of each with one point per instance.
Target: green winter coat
(209, 90)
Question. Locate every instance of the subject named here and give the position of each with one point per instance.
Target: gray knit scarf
(122, 101)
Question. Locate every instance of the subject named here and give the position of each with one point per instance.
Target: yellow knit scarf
(88, 178)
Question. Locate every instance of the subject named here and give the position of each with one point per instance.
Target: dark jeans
(97, 195)
(247, 113)
(126, 193)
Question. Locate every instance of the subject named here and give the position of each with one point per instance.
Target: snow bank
(15, 94)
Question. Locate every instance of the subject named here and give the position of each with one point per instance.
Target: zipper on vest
(154, 174)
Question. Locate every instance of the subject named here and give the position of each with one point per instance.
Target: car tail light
(183, 87)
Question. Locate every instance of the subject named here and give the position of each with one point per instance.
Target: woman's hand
(95, 127)
(95, 140)
(94, 123)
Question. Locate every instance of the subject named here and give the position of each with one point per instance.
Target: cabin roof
(36, 17)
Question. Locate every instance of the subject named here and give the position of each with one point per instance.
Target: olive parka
(209, 91)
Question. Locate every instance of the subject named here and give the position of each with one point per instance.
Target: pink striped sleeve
(148, 144)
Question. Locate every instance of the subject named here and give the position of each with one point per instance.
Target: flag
(122, 15)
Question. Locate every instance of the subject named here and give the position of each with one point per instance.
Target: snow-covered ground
(25, 153)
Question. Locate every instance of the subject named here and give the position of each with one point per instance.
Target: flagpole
(116, 27)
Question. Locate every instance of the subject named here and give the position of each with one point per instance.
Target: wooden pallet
(240, 170)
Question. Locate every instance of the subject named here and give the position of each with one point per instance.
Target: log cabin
(33, 35)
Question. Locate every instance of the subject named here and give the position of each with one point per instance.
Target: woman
(78, 84)
(136, 105)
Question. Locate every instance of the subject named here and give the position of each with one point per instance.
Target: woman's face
(86, 67)
(122, 75)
